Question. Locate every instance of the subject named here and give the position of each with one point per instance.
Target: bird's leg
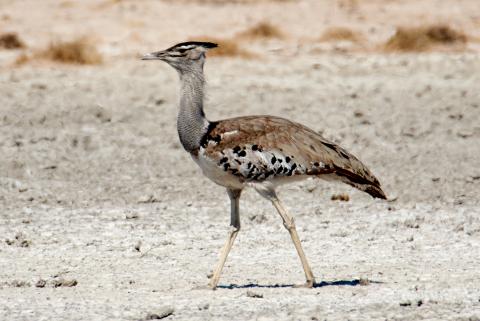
(234, 228)
(289, 224)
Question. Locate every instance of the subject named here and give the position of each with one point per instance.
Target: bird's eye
(182, 50)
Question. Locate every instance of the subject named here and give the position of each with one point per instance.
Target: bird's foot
(309, 284)
(204, 287)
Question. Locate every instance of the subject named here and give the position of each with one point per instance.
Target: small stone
(147, 199)
(163, 313)
(258, 218)
(406, 303)
(392, 198)
(64, 283)
(137, 246)
(131, 216)
(205, 306)
(41, 283)
(364, 281)
(464, 134)
(252, 294)
(25, 243)
(340, 197)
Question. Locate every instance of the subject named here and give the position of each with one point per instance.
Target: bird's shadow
(321, 284)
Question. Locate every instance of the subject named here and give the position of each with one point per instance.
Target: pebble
(64, 283)
(161, 314)
(252, 294)
(41, 283)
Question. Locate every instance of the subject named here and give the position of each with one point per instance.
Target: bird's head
(183, 56)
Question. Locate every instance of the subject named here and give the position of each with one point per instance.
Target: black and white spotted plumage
(243, 150)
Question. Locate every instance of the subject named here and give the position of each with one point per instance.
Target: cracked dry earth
(104, 216)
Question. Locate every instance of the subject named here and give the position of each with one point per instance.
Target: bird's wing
(262, 147)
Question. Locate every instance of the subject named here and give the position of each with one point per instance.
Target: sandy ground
(104, 217)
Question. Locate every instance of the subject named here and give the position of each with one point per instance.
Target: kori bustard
(257, 151)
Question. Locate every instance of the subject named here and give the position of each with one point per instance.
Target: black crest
(207, 45)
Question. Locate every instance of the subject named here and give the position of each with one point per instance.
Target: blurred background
(107, 31)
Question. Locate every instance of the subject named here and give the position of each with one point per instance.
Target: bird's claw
(309, 284)
(204, 287)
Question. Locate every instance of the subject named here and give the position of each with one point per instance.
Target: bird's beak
(158, 55)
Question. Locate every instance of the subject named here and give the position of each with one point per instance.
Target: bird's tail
(374, 191)
(369, 184)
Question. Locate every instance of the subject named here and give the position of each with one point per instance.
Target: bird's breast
(216, 173)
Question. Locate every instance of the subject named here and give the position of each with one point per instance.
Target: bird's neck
(191, 122)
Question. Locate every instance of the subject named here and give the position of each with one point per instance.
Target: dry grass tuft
(424, 38)
(11, 40)
(226, 48)
(340, 34)
(262, 30)
(80, 51)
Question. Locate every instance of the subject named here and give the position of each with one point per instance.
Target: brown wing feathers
(286, 142)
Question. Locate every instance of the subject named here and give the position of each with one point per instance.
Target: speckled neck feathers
(191, 122)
